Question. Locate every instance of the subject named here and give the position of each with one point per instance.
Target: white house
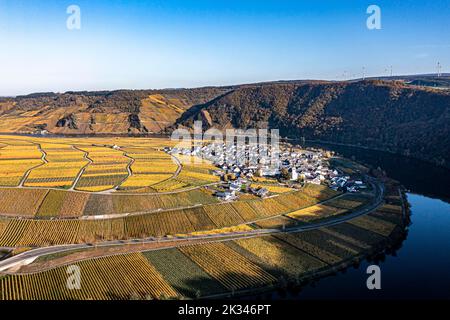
(294, 174)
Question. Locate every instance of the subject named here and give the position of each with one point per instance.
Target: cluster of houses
(346, 184)
(307, 166)
(242, 163)
(230, 190)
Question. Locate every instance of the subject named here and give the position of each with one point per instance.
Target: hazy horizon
(220, 85)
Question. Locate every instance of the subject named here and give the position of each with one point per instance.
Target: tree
(285, 173)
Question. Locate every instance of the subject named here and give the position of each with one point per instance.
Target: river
(420, 267)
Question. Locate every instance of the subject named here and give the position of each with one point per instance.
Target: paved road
(29, 256)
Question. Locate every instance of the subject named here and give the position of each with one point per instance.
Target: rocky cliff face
(115, 112)
(69, 121)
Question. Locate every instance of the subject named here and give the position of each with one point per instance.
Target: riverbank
(388, 245)
(393, 152)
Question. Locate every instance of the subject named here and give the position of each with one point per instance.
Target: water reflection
(418, 265)
(417, 176)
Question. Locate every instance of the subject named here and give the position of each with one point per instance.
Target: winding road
(10, 265)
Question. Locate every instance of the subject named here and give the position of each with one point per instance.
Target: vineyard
(196, 171)
(99, 204)
(353, 234)
(107, 170)
(279, 255)
(183, 274)
(192, 271)
(310, 248)
(150, 220)
(379, 226)
(277, 223)
(108, 278)
(274, 188)
(64, 204)
(228, 267)
(337, 206)
(64, 164)
(233, 229)
(149, 168)
(327, 245)
(199, 219)
(344, 203)
(389, 213)
(316, 211)
(169, 185)
(15, 160)
(223, 215)
(21, 202)
(78, 191)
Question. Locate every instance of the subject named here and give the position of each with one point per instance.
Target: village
(293, 167)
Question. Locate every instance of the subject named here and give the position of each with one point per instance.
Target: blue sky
(186, 43)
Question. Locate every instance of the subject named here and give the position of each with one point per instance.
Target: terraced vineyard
(107, 170)
(100, 165)
(23, 202)
(16, 158)
(183, 274)
(277, 223)
(197, 173)
(63, 166)
(313, 212)
(59, 203)
(228, 267)
(149, 168)
(280, 256)
(155, 223)
(106, 278)
(148, 220)
(202, 270)
(272, 187)
(87, 191)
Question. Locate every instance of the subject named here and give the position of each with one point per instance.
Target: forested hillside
(384, 115)
(388, 115)
(109, 112)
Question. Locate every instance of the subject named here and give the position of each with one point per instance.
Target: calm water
(420, 268)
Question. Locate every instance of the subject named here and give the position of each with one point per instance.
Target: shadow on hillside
(289, 280)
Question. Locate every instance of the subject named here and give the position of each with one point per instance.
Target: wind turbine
(439, 67)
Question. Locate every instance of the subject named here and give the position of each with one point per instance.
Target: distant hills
(421, 80)
(103, 112)
(396, 115)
